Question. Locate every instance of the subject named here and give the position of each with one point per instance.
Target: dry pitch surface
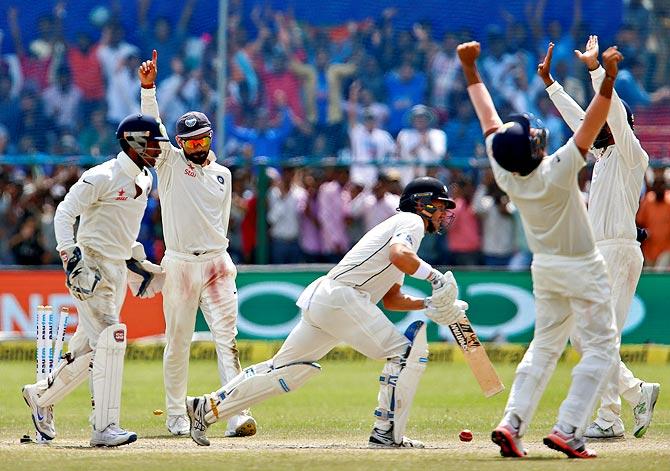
(322, 426)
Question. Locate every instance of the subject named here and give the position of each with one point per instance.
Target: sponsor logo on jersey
(122, 195)
(190, 170)
(220, 179)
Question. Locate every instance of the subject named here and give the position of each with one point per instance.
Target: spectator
(87, 72)
(370, 145)
(8, 106)
(631, 89)
(445, 75)
(405, 87)
(34, 131)
(26, 245)
(493, 208)
(284, 199)
(422, 144)
(122, 98)
(333, 203)
(463, 131)
(164, 38)
(98, 138)
(62, 102)
(654, 216)
(171, 92)
(375, 206)
(310, 226)
(464, 236)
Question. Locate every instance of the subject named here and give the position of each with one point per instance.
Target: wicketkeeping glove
(81, 279)
(145, 279)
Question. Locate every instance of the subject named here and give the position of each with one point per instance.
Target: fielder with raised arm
(569, 274)
(342, 307)
(195, 194)
(618, 176)
(110, 200)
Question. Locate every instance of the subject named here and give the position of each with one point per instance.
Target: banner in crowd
(501, 305)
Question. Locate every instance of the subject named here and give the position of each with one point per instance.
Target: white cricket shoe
(195, 408)
(241, 425)
(644, 409)
(113, 435)
(178, 425)
(43, 417)
(381, 439)
(613, 431)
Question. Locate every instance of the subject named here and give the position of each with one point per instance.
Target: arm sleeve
(149, 106)
(570, 111)
(408, 232)
(625, 140)
(81, 196)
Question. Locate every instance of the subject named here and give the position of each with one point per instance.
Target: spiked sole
(555, 442)
(130, 439)
(503, 438)
(247, 429)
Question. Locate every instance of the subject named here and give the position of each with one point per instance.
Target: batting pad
(254, 384)
(64, 379)
(107, 376)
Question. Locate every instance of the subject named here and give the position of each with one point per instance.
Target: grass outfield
(324, 425)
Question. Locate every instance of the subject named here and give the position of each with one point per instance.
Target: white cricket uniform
(616, 185)
(111, 199)
(195, 208)
(342, 305)
(569, 283)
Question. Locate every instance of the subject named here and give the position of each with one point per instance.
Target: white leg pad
(107, 376)
(255, 384)
(71, 372)
(399, 381)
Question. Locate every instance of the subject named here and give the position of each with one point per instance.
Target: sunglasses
(193, 144)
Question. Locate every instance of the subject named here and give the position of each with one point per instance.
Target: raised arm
(570, 111)
(479, 95)
(617, 118)
(596, 113)
(147, 72)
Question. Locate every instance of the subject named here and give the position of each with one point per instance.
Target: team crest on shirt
(121, 196)
(220, 179)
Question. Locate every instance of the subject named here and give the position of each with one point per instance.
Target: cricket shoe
(195, 408)
(113, 435)
(43, 417)
(507, 438)
(567, 443)
(241, 425)
(178, 425)
(613, 431)
(644, 409)
(380, 439)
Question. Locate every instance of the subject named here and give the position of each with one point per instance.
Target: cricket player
(618, 176)
(342, 307)
(195, 194)
(110, 200)
(569, 274)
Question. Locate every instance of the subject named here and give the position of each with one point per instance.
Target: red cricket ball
(465, 435)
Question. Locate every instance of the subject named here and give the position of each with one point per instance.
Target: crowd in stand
(366, 107)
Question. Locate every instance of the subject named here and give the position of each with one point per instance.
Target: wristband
(423, 272)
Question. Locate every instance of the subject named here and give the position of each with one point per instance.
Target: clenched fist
(468, 52)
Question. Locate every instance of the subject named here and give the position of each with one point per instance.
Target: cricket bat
(476, 357)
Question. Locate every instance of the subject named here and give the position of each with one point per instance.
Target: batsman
(342, 307)
(109, 201)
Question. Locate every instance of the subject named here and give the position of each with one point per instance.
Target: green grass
(325, 425)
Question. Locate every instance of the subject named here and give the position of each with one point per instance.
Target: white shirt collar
(128, 166)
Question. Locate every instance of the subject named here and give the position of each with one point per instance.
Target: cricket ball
(465, 435)
(158, 412)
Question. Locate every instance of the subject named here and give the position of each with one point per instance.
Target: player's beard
(197, 158)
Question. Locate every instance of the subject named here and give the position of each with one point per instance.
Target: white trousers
(103, 308)
(570, 292)
(206, 281)
(335, 313)
(624, 265)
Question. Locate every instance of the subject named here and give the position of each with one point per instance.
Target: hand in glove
(81, 279)
(444, 288)
(445, 315)
(145, 279)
